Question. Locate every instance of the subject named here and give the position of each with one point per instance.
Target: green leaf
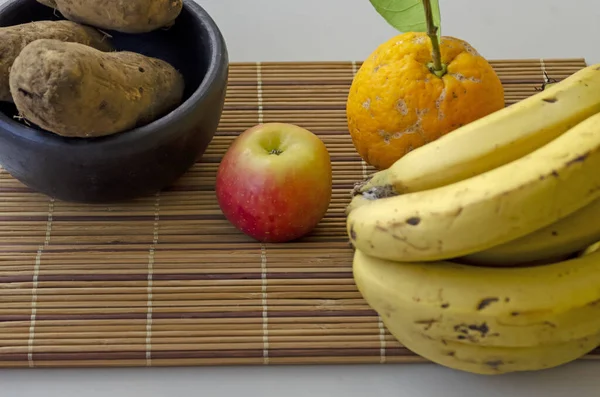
(408, 15)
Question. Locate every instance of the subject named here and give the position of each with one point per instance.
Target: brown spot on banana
(578, 159)
(413, 221)
(483, 329)
(494, 364)
(467, 329)
(531, 312)
(485, 302)
(427, 323)
(594, 303)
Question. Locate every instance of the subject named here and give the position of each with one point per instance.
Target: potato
(14, 38)
(127, 16)
(77, 91)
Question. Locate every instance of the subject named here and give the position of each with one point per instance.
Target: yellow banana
(497, 360)
(484, 306)
(495, 207)
(493, 140)
(560, 240)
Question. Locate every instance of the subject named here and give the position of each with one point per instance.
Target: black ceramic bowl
(137, 162)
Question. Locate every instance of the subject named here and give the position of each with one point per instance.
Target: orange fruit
(397, 104)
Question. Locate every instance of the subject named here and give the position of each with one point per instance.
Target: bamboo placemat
(166, 280)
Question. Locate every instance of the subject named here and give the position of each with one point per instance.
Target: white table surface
(350, 30)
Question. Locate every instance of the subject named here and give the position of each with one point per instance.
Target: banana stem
(436, 67)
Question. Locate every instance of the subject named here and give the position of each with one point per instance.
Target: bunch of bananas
(478, 249)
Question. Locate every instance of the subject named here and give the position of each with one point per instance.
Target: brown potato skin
(14, 38)
(75, 90)
(127, 16)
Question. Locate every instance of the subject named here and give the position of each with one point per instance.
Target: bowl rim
(217, 65)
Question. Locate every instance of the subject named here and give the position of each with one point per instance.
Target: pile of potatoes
(65, 76)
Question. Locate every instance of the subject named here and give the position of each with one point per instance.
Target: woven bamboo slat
(167, 281)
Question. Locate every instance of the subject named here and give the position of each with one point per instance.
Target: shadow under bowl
(134, 163)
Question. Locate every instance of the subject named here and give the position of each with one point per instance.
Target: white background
(351, 29)
(281, 30)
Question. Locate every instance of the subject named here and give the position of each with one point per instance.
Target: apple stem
(436, 67)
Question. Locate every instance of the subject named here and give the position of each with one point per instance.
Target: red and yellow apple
(274, 182)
